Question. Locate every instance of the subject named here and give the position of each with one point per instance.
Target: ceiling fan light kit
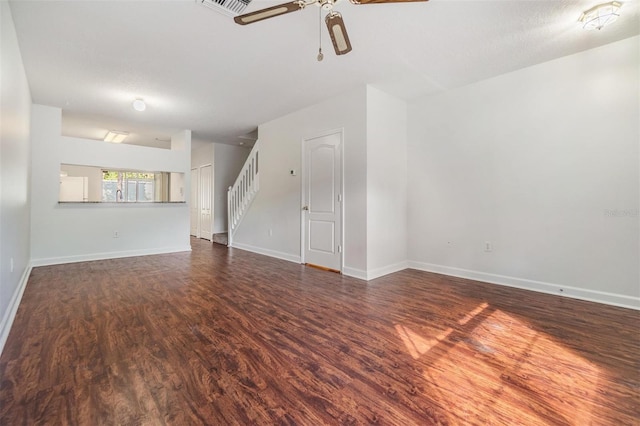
(334, 21)
(326, 4)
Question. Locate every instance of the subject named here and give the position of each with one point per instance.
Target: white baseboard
(374, 273)
(386, 270)
(539, 286)
(267, 252)
(355, 273)
(12, 309)
(351, 272)
(107, 255)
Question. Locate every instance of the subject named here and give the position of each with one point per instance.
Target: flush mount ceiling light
(599, 16)
(115, 136)
(139, 105)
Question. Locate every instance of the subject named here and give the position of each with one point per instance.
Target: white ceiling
(198, 70)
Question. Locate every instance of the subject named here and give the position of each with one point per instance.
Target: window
(123, 186)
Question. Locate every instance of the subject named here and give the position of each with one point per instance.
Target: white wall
(15, 116)
(375, 180)
(74, 232)
(229, 159)
(277, 206)
(543, 163)
(179, 182)
(386, 183)
(202, 156)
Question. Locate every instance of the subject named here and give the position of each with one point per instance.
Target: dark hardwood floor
(221, 337)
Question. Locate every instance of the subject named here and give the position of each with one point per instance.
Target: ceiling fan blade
(382, 1)
(269, 12)
(338, 33)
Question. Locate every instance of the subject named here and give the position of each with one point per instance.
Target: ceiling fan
(335, 24)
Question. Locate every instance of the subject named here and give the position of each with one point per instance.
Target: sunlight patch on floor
(417, 345)
(481, 307)
(502, 369)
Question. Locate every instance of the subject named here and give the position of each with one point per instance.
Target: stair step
(221, 238)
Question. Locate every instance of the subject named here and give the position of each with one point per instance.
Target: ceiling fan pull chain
(320, 55)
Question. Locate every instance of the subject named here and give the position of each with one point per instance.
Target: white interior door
(194, 207)
(322, 200)
(205, 202)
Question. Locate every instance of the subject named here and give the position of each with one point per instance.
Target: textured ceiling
(198, 70)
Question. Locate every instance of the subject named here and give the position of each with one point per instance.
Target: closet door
(205, 202)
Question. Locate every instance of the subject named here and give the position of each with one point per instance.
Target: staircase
(243, 191)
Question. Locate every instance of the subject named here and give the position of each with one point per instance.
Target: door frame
(196, 201)
(303, 201)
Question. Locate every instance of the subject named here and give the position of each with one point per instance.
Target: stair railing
(241, 194)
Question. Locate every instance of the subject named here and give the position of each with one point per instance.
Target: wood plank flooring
(226, 337)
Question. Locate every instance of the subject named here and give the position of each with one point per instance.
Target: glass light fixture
(115, 136)
(599, 16)
(139, 105)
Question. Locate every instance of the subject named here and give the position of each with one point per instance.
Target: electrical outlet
(488, 246)
(115, 234)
